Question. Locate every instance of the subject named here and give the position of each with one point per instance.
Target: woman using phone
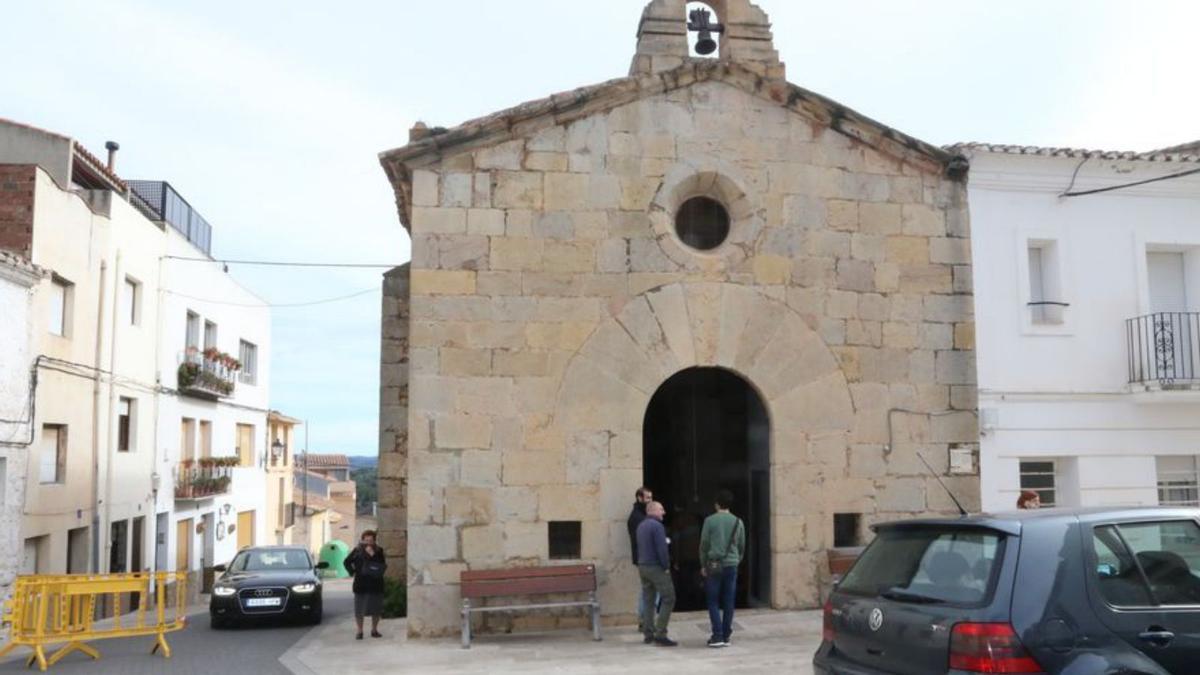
(367, 563)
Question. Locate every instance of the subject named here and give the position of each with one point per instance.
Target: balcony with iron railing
(161, 203)
(204, 478)
(208, 374)
(1164, 351)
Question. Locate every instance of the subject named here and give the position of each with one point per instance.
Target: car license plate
(264, 602)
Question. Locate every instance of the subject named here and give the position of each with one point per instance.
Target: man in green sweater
(722, 546)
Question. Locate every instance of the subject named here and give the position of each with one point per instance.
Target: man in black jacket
(643, 497)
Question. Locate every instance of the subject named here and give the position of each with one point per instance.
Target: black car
(1073, 591)
(267, 582)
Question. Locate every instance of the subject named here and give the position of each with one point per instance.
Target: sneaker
(716, 642)
(665, 641)
(647, 638)
(358, 636)
(728, 640)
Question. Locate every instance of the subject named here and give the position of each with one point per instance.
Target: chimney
(112, 147)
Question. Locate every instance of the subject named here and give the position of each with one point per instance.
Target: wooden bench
(841, 560)
(480, 585)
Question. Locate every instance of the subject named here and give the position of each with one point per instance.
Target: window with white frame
(248, 355)
(1041, 476)
(1178, 480)
(192, 338)
(210, 335)
(1045, 288)
(61, 299)
(131, 298)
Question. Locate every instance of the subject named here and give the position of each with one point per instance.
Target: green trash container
(335, 553)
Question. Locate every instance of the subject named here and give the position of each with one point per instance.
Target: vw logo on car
(875, 622)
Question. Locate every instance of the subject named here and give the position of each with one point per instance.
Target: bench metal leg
(595, 618)
(466, 624)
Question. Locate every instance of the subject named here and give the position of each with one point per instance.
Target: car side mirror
(322, 565)
(219, 568)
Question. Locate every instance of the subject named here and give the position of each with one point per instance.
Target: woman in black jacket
(367, 563)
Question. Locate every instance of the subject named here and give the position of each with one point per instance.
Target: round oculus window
(702, 223)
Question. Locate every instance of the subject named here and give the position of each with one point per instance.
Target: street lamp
(276, 450)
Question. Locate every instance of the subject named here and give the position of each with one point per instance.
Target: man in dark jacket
(642, 497)
(654, 568)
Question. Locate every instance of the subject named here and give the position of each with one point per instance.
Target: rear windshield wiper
(904, 596)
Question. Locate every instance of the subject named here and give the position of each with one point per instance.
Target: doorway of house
(707, 429)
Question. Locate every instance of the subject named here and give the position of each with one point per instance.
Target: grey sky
(268, 116)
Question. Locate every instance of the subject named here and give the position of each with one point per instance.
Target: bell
(706, 44)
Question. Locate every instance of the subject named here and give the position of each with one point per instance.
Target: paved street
(199, 649)
(764, 642)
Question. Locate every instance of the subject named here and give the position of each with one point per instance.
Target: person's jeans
(656, 580)
(721, 591)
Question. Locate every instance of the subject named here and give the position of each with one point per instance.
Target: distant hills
(363, 462)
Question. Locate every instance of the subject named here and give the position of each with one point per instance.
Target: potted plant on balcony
(187, 374)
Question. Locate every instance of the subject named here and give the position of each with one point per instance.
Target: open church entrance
(707, 429)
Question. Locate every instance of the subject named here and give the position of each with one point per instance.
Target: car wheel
(217, 623)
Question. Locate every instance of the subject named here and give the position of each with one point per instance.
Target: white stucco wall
(15, 296)
(1062, 391)
(207, 290)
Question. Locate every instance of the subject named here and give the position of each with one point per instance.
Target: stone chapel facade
(573, 255)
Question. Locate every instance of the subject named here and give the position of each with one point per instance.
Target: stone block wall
(550, 297)
(393, 421)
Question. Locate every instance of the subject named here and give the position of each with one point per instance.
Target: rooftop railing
(160, 202)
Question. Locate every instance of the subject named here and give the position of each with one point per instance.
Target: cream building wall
(551, 298)
(280, 508)
(94, 249)
(120, 350)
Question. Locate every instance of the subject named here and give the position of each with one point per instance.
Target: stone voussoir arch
(609, 382)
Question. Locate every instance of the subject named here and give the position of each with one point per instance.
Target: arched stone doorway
(707, 429)
(601, 406)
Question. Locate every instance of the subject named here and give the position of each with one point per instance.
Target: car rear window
(928, 564)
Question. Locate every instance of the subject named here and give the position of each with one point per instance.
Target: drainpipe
(155, 475)
(100, 305)
(112, 404)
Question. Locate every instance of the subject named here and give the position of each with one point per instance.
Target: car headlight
(223, 591)
(304, 588)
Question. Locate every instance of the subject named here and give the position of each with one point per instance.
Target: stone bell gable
(560, 278)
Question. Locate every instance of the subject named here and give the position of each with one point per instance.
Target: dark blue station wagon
(1072, 591)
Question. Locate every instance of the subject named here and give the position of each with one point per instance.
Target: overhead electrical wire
(1082, 193)
(277, 305)
(283, 263)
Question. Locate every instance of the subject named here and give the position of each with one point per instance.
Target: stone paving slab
(769, 642)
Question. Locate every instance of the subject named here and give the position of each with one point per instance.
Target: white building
(111, 326)
(215, 414)
(1087, 292)
(17, 278)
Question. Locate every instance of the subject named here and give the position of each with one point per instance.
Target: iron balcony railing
(160, 202)
(207, 374)
(206, 478)
(1164, 349)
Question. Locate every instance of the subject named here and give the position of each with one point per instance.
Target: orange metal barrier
(47, 610)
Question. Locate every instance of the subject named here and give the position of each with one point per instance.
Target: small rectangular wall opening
(846, 533)
(566, 540)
